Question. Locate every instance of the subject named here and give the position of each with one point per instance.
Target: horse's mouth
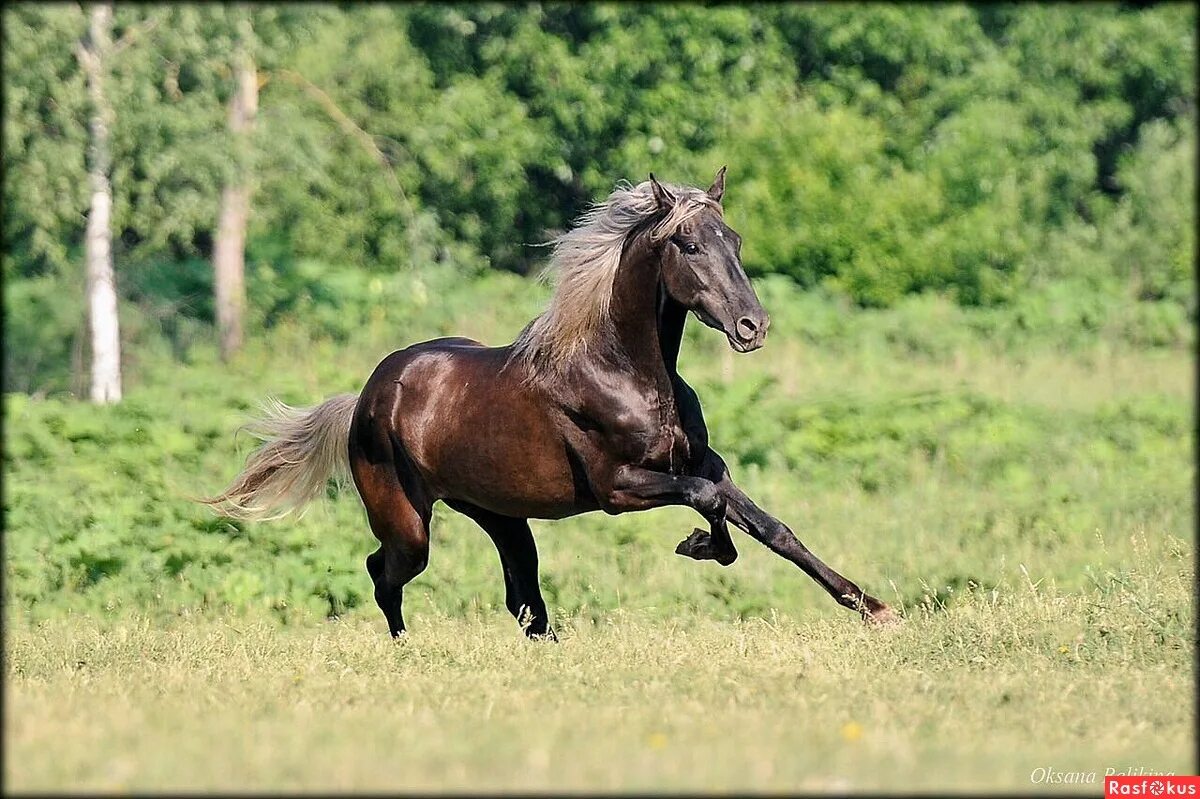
(741, 346)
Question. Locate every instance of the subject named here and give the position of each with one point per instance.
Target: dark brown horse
(584, 411)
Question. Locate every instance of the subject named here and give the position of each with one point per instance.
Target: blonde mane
(584, 265)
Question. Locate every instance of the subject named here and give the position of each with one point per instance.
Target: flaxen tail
(304, 448)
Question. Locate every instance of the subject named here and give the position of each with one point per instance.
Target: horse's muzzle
(749, 332)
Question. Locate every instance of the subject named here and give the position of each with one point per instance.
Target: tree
(93, 53)
(981, 152)
(229, 247)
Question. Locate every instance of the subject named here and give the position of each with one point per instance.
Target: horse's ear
(663, 197)
(717, 189)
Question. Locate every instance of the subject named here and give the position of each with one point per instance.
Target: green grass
(1024, 498)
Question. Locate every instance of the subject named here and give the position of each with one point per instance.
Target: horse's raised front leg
(776, 535)
(634, 488)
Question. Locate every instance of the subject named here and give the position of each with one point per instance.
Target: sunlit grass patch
(973, 696)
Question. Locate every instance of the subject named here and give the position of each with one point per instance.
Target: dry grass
(975, 697)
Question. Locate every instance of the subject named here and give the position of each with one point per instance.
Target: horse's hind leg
(402, 528)
(404, 553)
(519, 560)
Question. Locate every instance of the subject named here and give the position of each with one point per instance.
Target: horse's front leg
(776, 535)
(634, 488)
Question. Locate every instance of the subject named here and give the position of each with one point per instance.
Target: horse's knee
(709, 501)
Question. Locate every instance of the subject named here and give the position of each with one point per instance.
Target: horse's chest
(632, 426)
(661, 443)
(672, 451)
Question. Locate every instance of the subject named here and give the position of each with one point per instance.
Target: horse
(584, 411)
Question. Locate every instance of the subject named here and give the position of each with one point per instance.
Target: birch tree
(229, 248)
(103, 325)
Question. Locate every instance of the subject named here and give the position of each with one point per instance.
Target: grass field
(973, 698)
(1026, 501)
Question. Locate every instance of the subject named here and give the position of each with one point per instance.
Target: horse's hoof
(698, 545)
(882, 617)
(695, 545)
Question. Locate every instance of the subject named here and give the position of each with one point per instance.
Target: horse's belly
(513, 476)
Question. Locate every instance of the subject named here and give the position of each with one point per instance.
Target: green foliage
(820, 201)
(166, 141)
(966, 446)
(877, 150)
(40, 333)
(1151, 235)
(45, 140)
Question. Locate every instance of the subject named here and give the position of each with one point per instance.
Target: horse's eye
(690, 248)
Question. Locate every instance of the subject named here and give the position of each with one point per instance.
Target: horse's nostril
(746, 327)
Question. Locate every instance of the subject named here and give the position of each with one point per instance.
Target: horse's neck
(647, 325)
(671, 318)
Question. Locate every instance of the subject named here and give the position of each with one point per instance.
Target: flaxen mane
(584, 264)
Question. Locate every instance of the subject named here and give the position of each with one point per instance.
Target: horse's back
(420, 375)
(473, 427)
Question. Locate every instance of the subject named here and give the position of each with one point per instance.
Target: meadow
(1018, 482)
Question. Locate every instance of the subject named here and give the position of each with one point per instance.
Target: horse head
(702, 270)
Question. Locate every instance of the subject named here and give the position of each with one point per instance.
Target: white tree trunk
(101, 282)
(229, 249)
